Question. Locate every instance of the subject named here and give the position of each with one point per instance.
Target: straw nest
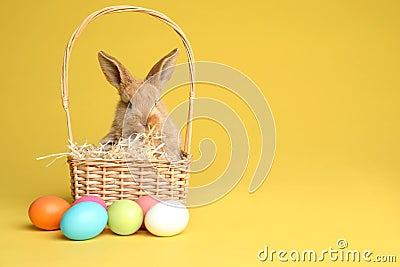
(140, 146)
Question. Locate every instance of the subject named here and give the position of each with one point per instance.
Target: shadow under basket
(128, 178)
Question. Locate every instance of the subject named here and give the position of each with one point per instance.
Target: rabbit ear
(163, 69)
(115, 72)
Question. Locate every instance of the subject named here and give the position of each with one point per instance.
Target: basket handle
(118, 9)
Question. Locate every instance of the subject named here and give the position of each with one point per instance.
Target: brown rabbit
(139, 108)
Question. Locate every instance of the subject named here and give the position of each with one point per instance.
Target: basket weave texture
(121, 179)
(127, 177)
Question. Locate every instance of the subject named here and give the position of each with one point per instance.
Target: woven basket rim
(129, 160)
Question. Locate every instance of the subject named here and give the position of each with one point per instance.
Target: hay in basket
(132, 167)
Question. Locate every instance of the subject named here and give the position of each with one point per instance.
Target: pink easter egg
(91, 199)
(146, 202)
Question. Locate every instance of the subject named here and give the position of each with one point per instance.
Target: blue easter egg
(83, 221)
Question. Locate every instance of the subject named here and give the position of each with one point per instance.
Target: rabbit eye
(130, 105)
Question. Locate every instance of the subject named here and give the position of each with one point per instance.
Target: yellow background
(329, 70)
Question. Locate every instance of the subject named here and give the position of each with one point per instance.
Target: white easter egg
(167, 218)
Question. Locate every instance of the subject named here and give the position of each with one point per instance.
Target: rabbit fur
(139, 108)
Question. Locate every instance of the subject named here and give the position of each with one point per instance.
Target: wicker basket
(128, 178)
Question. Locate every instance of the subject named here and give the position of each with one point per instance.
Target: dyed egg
(91, 199)
(46, 212)
(124, 217)
(167, 218)
(84, 220)
(146, 202)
